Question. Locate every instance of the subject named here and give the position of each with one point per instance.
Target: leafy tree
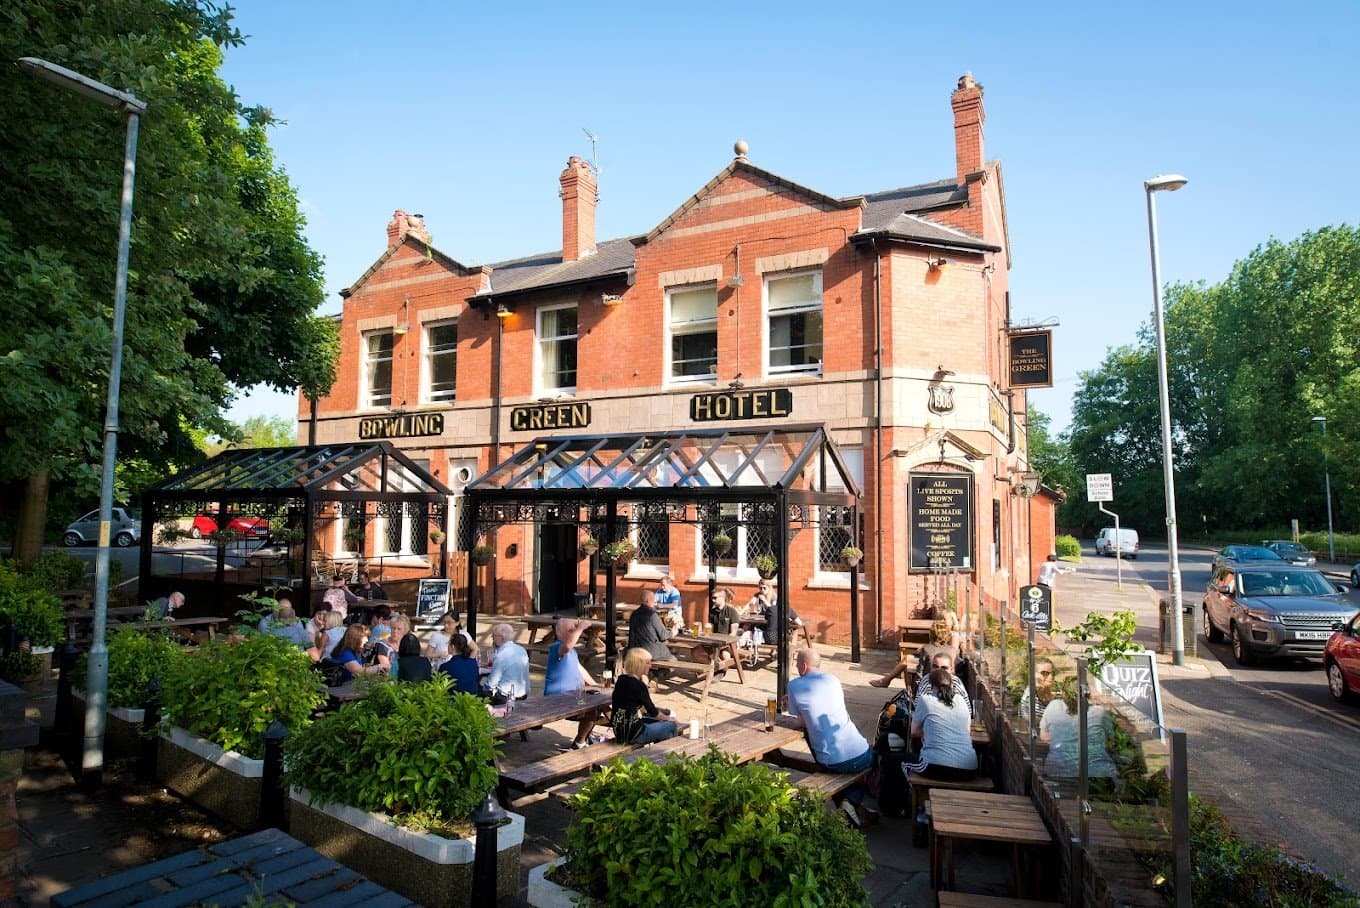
(222, 285)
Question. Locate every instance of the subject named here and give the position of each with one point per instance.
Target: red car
(243, 526)
(1341, 661)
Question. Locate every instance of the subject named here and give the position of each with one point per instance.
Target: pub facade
(757, 303)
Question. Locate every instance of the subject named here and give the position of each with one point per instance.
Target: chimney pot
(402, 224)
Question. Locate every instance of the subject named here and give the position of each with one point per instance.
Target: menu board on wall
(940, 512)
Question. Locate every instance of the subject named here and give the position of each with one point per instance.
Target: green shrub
(228, 691)
(1230, 871)
(27, 604)
(1067, 547)
(19, 666)
(719, 832)
(136, 656)
(415, 751)
(57, 570)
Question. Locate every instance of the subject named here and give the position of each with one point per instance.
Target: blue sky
(467, 114)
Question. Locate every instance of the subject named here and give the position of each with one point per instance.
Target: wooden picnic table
(536, 712)
(75, 617)
(985, 817)
(712, 644)
(548, 622)
(269, 866)
(185, 626)
(622, 611)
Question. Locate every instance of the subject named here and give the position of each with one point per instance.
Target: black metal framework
(781, 479)
(302, 487)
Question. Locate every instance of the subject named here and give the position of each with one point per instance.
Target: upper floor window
(694, 334)
(441, 360)
(557, 348)
(794, 302)
(378, 369)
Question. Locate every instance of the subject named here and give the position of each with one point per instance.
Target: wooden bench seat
(921, 785)
(800, 760)
(827, 785)
(558, 768)
(950, 899)
(699, 670)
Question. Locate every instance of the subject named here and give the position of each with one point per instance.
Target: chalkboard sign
(1036, 607)
(940, 513)
(1134, 678)
(433, 597)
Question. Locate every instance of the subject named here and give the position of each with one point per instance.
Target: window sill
(645, 572)
(729, 576)
(834, 581)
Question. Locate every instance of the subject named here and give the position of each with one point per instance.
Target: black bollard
(272, 793)
(151, 718)
(487, 818)
(66, 663)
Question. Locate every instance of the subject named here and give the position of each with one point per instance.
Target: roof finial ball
(741, 148)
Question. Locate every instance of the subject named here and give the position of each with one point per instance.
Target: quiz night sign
(940, 514)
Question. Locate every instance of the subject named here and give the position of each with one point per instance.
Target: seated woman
(347, 654)
(328, 638)
(437, 648)
(411, 665)
(1060, 729)
(564, 673)
(462, 666)
(941, 719)
(637, 720)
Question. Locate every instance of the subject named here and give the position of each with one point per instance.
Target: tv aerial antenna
(593, 140)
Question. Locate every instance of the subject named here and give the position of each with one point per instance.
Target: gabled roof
(900, 214)
(425, 249)
(741, 164)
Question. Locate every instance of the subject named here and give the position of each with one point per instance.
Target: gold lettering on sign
(410, 425)
(550, 416)
(758, 403)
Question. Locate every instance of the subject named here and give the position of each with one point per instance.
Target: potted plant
(34, 614)
(221, 538)
(136, 656)
(786, 848)
(851, 555)
(482, 554)
(170, 534)
(589, 546)
(620, 553)
(437, 537)
(217, 704)
(766, 565)
(354, 538)
(388, 785)
(722, 543)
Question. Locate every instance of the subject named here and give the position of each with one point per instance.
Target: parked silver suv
(1272, 609)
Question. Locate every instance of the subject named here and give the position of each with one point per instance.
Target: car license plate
(1312, 635)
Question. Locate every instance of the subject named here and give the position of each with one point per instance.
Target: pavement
(69, 836)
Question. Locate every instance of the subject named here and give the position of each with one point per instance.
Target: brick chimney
(968, 119)
(402, 224)
(579, 196)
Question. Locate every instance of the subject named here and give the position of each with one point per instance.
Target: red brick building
(755, 290)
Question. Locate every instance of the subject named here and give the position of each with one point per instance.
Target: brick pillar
(16, 733)
(968, 119)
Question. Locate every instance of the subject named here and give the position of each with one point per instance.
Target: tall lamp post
(1166, 183)
(1327, 486)
(97, 682)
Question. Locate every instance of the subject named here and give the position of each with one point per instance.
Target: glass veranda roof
(706, 463)
(368, 467)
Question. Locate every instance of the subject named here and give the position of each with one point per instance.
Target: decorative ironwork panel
(758, 514)
(353, 510)
(651, 512)
(387, 508)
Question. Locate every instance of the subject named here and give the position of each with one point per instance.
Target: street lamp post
(97, 681)
(1166, 183)
(1327, 487)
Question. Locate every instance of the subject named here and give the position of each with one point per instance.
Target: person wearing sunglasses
(1042, 692)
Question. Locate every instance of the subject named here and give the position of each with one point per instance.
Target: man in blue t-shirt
(817, 701)
(668, 603)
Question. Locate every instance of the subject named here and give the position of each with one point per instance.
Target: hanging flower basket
(482, 554)
(621, 553)
(437, 537)
(766, 565)
(589, 546)
(851, 555)
(722, 543)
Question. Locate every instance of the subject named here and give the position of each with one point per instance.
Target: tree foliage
(1252, 362)
(222, 284)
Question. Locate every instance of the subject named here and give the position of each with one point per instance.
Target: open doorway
(557, 571)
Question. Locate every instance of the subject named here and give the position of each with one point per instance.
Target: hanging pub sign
(757, 403)
(550, 416)
(940, 512)
(406, 425)
(1031, 359)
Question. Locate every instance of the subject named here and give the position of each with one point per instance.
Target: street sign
(1036, 607)
(1099, 487)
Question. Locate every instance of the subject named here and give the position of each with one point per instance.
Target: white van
(1126, 545)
